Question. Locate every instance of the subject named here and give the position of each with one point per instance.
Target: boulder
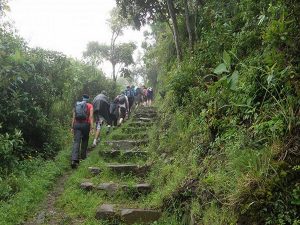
(109, 187)
(87, 186)
(139, 216)
(95, 170)
(106, 212)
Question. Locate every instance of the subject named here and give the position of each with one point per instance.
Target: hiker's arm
(92, 117)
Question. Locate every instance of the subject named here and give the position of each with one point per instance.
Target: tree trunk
(172, 13)
(188, 24)
(114, 72)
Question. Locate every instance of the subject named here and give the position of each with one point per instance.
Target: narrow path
(50, 214)
(125, 158)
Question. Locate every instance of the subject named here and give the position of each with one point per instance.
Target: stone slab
(106, 212)
(143, 119)
(87, 186)
(139, 216)
(108, 187)
(95, 170)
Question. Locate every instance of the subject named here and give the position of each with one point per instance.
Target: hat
(85, 97)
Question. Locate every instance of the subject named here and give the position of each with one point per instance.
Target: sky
(66, 25)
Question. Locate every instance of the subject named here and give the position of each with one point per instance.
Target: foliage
(229, 109)
(37, 91)
(118, 54)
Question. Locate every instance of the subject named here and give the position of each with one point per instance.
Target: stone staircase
(126, 146)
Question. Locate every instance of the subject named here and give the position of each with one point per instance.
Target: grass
(33, 190)
(81, 204)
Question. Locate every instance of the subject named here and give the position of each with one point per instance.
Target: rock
(87, 186)
(106, 212)
(40, 219)
(143, 188)
(143, 119)
(95, 170)
(109, 187)
(145, 115)
(140, 216)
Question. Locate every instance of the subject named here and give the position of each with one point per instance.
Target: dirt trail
(48, 213)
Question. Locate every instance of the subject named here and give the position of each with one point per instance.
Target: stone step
(129, 169)
(130, 135)
(127, 215)
(134, 191)
(133, 130)
(126, 144)
(144, 119)
(123, 153)
(94, 170)
(139, 216)
(139, 124)
(146, 115)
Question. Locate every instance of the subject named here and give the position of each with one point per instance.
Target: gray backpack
(81, 111)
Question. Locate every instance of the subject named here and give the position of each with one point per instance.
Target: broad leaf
(226, 59)
(221, 69)
(234, 79)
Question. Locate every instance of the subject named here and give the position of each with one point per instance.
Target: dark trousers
(81, 139)
(130, 101)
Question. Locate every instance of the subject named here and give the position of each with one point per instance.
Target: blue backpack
(129, 93)
(81, 111)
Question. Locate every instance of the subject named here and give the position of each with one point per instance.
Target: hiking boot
(74, 164)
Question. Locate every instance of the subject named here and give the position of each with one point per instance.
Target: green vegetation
(225, 148)
(38, 89)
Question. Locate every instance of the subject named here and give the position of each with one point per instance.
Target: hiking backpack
(122, 99)
(129, 93)
(137, 91)
(81, 111)
(113, 108)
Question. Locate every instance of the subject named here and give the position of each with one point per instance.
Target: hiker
(114, 112)
(129, 92)
(123, 107)
(138, 96)
(101, 113)
(145, 95)
(149, 96)
(82, 123)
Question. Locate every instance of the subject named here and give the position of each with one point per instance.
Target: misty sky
(65, 25)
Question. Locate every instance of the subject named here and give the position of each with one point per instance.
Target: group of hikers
(91, 116)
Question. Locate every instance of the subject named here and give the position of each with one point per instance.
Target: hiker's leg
(97, 133)
(85, 139)
(76, 143)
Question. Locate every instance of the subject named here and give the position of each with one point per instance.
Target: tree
(172, 14)
(3, 7)
(116, 54)
(188, 23)
(149, 11)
